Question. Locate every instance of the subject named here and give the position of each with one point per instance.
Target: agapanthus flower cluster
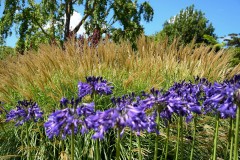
(184, 99)
(25, 111)
(220, 98)
(134, 112)
(71, 118)
(181, 99)
(128, 111)
(156, 103)
(96, 85)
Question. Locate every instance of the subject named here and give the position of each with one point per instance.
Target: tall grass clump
(51, 73)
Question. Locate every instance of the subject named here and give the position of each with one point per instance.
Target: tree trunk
(68, 9)
(88, 12)
(53, 21)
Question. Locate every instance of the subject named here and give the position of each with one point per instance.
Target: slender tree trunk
(88, 12)
(53, 21)
(68, 9)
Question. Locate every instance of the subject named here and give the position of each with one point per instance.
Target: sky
(223, 14)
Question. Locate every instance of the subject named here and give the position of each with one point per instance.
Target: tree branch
(87, 13)
(75, 30)
(73, 2)
(38, 24)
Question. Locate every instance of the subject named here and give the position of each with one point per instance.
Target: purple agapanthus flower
(121, 102)
(25, 111)
(220, 99)
(84, 89)
(71, 117)
(94, 85)
(129, 112)
(61, 122)
(182, 99)
(83, 111)
(102, 122)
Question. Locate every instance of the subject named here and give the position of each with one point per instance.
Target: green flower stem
(22, 143)
(163, 151)
(194, 137)
(181, 135)
(97, 147)
(166, 151)
(178, 140)
(229, 139)
(139, 148)
(215, 138)
(232, 140)
(62, 146)
(118, 145)
(235, 157)
(28, 143)
(156, 138)
(72, 144)
(130, 146)
(54, 148)
(97, 150)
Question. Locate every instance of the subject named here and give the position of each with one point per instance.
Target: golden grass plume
(50, 73)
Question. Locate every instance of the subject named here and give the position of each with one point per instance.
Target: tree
(6, 51)
(233, 43)
(186, 26)
(211, 41)
(43, 21)
(31, 20)
(233, 40)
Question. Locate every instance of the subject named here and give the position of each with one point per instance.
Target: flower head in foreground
(25, 111)
(72, 117)
(84, 89)
(182, 99)
(129, 112)
(94, 85)
(220, 99)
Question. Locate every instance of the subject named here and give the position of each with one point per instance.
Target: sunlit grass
(51, 73)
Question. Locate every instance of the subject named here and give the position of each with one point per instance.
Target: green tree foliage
(186, 26)
(233, 40)
(30, 20)
(233, 43)
(6, 51)
(212, 41)
(43, 21)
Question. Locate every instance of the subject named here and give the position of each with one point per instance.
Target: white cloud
(75, 19)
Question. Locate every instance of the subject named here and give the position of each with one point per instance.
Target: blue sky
(223, 14)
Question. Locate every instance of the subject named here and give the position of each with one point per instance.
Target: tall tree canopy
(186, 26)
(48, 21)
(232, 40)
(233, 43)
